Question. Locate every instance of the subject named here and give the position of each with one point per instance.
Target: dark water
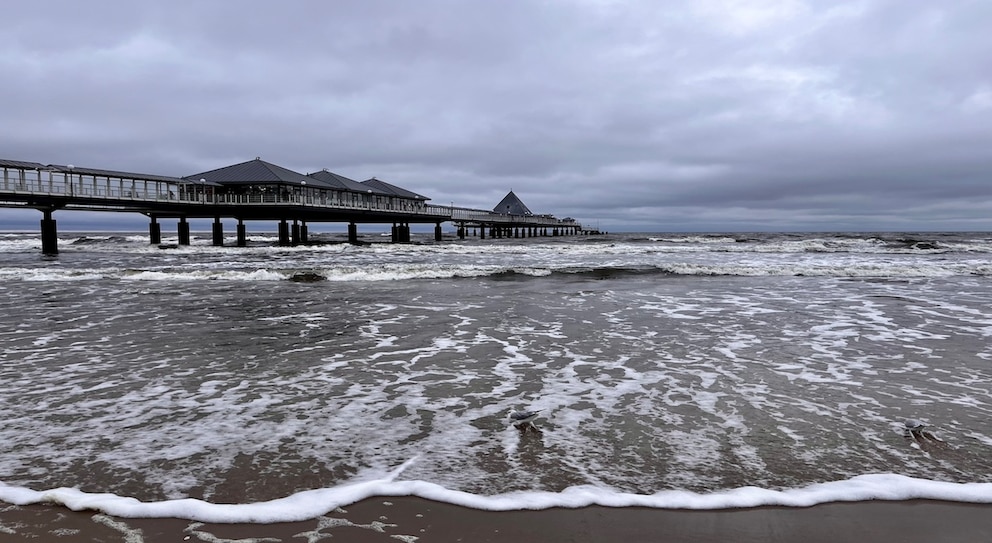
(659, 362)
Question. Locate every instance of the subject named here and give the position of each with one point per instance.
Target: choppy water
(661, 363)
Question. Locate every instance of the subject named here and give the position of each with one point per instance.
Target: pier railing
(88, 188)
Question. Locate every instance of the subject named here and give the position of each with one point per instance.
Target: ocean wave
(633, 246)
(314, 503)
(414, 271)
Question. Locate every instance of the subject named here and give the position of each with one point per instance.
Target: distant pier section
(257, 190)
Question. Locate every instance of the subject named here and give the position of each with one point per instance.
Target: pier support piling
(218, 233)
(437, 231)
(154, 232)
(284, 233)
(183, 228)
(353, 233)
(49, 234)
(295, 233)
(242, 234)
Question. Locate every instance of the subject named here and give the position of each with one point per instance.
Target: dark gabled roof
(21, 164)
(112, 173)
(511, 205)
(339, 182)
(253, 172)
(393, 190)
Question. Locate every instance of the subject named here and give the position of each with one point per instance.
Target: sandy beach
(414, 519)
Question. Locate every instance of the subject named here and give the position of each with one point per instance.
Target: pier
(256, 190)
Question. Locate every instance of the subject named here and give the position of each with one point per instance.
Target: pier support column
(405, 232)
(353, 233)
(482, 231)
(437, 231)
(218, 232)
(49, 235)
(283, 233)
(242, 234)
(154, 232)
(304, 233)
(183, 231)
(296, 233)
(461, 231)
(395, 233)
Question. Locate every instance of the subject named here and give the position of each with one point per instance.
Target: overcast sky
(644, 115)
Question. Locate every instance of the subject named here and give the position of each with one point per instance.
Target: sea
(699, 371)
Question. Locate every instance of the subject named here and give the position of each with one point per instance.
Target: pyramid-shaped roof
(393, 190)
(339, 182)
(253, 172)
(511, 205)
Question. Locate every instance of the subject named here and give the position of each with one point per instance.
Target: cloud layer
(643, 115)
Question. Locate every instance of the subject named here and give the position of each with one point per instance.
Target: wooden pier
(252, 191)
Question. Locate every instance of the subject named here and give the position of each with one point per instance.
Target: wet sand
(415, 519)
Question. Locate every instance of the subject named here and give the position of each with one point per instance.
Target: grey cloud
(643, 115)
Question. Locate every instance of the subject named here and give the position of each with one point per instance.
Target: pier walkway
(254, 190)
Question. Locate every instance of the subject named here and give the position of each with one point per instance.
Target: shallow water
(659, 363)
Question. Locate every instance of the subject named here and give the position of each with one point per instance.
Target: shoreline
(409, 519)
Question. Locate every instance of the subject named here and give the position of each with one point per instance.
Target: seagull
(524, 419)
(914, 425)
(917, 429)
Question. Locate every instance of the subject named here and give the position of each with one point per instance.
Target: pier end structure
(511, 218)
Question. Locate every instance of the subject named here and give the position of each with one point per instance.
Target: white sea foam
(201, 275)
(314, 503)
(145, 381)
